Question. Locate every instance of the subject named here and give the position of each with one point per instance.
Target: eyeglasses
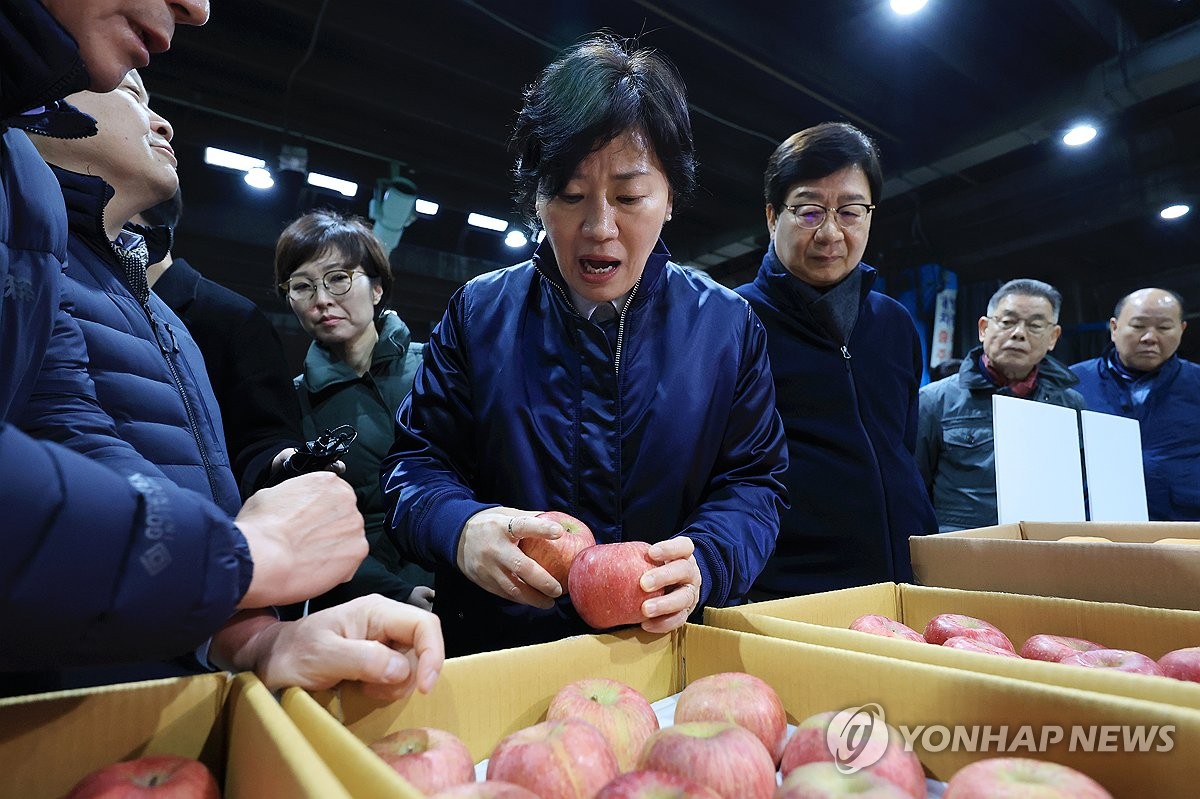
(337, 282)
(849, 216)
(1034, 327)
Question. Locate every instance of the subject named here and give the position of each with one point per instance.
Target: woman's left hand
(679, 576)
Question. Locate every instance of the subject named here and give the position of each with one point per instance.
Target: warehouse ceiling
(967, 99)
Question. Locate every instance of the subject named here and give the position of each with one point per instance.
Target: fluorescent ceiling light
(231, 160)
(487, 222)
(1174, 211)
(906, 7)
(426, 207)
(1079, 135)
(516, 238)
(347, 187)
(259, 178)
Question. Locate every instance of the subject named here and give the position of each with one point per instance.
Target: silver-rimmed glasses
(849, 216)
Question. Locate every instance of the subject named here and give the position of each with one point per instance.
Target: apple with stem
(1021, 778)
(606, 585)
(619, 712)
(430, 759)
(1181, 664)
(555, 555)
(725, 757)
(876, 624)
(824, 781)
(739, 698)
(564, 759)
(149, 777)
(1053, 648)
(951, 625)
(655, 785)
(1115, 659)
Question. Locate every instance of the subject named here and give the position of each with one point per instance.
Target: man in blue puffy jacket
(107, 560)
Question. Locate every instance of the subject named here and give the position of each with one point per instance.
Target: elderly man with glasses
(954, 442)
(847, 364)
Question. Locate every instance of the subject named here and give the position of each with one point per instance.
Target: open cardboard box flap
(483, 698)
(1029, 558)
(824, 619)
(48, 742)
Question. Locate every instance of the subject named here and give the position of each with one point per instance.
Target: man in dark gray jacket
(955, 450)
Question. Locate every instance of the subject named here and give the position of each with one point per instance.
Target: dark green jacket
(331, 394)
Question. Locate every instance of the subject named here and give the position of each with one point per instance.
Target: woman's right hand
(489, 556)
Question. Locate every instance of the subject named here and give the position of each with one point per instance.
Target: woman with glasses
(598, 379)
(334, 274)
(847, 366)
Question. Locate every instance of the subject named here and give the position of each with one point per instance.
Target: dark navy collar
(39, 61)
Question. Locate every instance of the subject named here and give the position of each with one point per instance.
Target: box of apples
(550, 724)
(1156, 564)
(200, 737)
(1012, 635)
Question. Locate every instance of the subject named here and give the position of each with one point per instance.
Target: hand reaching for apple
(491, 559)
(679, 576)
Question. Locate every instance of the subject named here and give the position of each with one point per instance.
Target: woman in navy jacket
(657, 424)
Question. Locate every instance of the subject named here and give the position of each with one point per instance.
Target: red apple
(566, 759)
(889, 628)
(429, 758)
(725, 757)
(1053, 648)
(605, 583)
(950, 625)
(556, 555)
(623, 715)
(739, 698)
(1182, 664)
(824, 781)
(149, 777)
(1021, 778)
(975, 645)
(655, 785)
(810, 743)
(1116, 659)
(489, 789)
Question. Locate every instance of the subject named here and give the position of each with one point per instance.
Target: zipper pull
(845, 352)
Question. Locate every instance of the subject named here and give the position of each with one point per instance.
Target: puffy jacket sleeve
(102, 566)
(426, 476)
(735, 527)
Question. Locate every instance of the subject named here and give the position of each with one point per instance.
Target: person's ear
(1054, 334)
(983, 323)
(772, 219)
(1112, 329)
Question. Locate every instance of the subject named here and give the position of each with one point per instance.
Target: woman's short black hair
(599, 89)
(818, 152)
(320, 232)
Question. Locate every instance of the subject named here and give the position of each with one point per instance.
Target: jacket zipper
(621, 331)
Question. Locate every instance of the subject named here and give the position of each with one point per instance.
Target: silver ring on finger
(511, 535)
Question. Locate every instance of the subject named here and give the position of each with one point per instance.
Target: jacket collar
(86, 198)
(543, 260)
(39, 61)
(1112, 365)
(321, 371)
(1052, 374)
(774, 280)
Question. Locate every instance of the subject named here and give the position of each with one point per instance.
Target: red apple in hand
(725, 757)
(567, 759)
(1182, 664)
(950, 625)
(824, 781)
(149, 777)
(975, 645)
(622, 715)
(810, 743)
(605, 583)
(741, 699)
(655, 785)
(429, 758)
(489, 789)
(1053, 648)
(1021, 778)
(889, 628)
(555, 555)
(1115, 659)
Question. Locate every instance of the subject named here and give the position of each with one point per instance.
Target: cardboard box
(825, 619)
(483, 698)
(1028, 558)
(48, 742)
